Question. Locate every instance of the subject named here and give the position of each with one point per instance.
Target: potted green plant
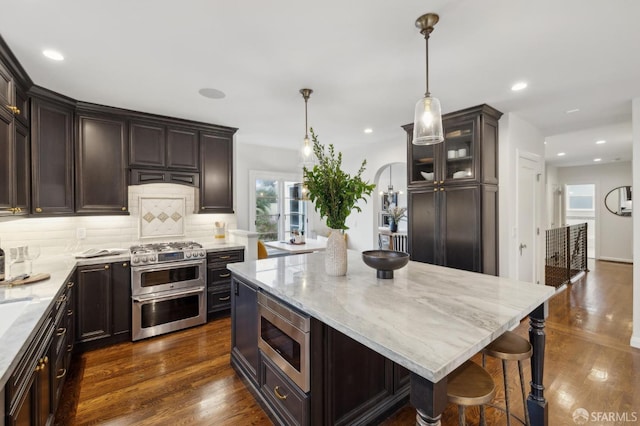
(395, 215)
(334, 194)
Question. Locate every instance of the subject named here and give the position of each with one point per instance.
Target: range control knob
(135, 259)
(143, 259)
(202, 253)
(188, 254)
(152, 258)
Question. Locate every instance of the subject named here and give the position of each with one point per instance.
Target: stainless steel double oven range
(168, 288)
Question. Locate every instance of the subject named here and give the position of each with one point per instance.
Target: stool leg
(461, 420)
(483, 419)
(506, 391)
(524, 395)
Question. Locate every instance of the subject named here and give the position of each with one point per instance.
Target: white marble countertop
(428, 318)
(21, 328)
(308, 246)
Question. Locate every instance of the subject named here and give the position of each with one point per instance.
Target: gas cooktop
(145, 254)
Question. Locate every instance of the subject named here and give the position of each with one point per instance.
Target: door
(422, 226)
(244, 325)
(460, 227)
(216, 185)
(527, 217)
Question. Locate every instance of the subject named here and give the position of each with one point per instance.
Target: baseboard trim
(615, 259)
(635, 341)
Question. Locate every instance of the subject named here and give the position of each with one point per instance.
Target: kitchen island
(427, 319)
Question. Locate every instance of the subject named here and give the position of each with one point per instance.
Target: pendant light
(307, 148)
(427, 122)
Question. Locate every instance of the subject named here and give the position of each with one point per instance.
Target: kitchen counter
(429, 319)
(21, 329)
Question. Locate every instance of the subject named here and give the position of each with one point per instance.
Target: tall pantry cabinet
(453, 193)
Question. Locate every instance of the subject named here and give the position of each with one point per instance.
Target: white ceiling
(364, 59)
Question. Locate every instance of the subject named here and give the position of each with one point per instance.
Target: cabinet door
(146, 144)
(422, 161)
(93, 301)
(6, 163)
(121, 282)
(460, 149)
(244, 326)
(6, 88)
(216, 156)
(21, 170)
(423, 232)
(182, 148)
(101, 174)
(460, 227)
(22, 103)
(52, 158)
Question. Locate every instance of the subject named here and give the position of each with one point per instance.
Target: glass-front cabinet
(468, 153)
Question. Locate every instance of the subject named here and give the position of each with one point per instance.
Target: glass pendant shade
(427, 122)
(306, 153)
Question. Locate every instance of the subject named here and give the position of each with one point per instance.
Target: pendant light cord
(426, 42)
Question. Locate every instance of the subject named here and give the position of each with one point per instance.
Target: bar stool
(470, 385)
(508, 347)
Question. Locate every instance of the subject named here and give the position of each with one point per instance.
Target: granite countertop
(21, 329)
(429, 319)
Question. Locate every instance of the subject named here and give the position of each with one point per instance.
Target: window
(277, 208)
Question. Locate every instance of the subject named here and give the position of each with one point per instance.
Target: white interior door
(527, 208)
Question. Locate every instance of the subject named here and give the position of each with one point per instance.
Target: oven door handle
(165, 266)
(157, 298)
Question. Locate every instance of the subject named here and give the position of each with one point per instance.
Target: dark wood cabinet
(452, 193)
(101, 165)
(141, 176)
(153, 144)
(219, 280)
(182, 148)
(216, 172)
(244, 329)
(103, 304)
(52, 162)
(14, 164)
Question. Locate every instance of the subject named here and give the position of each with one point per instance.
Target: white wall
(635, 336)
(516, 136)
(614, 236)
(58, 234)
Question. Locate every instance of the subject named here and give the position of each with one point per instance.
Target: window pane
(267, 213)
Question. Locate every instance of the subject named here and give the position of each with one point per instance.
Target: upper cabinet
(101, 164)
(14, 147)
(52, 162)
(468, 154)
(216, 170)
(152, 144)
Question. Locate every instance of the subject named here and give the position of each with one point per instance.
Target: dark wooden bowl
(385, 261)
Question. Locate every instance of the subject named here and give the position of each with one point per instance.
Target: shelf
(457, 159)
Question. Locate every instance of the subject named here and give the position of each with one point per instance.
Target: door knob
(522, 246)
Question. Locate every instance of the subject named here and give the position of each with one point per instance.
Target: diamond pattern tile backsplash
(162, 217)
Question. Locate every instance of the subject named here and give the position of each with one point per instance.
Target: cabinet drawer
(225, 257)
(285, 397)
(218, 276)
(219, 298)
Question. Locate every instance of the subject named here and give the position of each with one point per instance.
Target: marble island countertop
(429, 319)
(21, 320)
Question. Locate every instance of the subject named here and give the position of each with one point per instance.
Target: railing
(393, 241)
(566, 255)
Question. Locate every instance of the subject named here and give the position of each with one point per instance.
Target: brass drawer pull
(69, 312)
(70, 284)
(225, 257)
(69, 348)
(14, 109)
(62, 374)
(224, 299)
(38, 210)
(225, 275)
(61, 331)
(125, 264)
(62, 298)
(278, 395)
(106, 266)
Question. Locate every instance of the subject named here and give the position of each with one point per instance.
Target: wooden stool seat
(511, 347)
(468, 385)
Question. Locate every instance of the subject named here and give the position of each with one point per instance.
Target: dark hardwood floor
(184, 378)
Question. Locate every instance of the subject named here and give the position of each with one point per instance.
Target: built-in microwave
(283, 337)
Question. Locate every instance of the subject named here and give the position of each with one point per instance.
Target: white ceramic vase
(335, 260)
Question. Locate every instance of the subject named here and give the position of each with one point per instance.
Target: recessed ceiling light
(600, 142)
(53, 54)
(519, 86)
(597, 159)
(212, 93)
(368, 130)
(562, 154)
(571, 111)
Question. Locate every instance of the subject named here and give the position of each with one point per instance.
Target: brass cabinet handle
(70, 284)
(224, 299)
(38, 210)
(13, 109)
(225, 275)
(125, 264)
(69, 312)
(124, 209)
(61, 331)
(61, 374)
(69, 348)
(46, 360)
(277, 393)
(106, 266)
(62, 298)
(225, 257)
(441, 189)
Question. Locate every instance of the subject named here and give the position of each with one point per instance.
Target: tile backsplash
(59, 234)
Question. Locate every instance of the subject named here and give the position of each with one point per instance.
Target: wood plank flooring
(184, 378)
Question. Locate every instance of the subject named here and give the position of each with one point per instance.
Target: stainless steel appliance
(283, 336)
(168, 288)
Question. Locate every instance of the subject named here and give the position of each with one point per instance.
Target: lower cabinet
(219, 280)
(244, 329)
(103, 304)
(291, 404)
